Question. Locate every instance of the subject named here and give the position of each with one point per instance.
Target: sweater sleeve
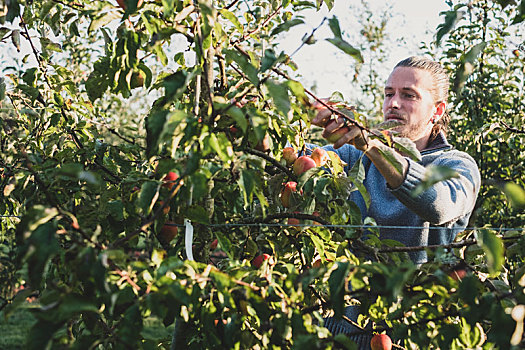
(446, 200)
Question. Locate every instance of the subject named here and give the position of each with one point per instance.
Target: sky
(326, 69)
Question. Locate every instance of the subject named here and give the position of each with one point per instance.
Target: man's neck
(422, 142)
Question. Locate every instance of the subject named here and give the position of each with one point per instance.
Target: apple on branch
(289, 155)
(286, 194)
(169, 180)
(168, 232)
(303, 164)
(381, 342)
(320, 156)
(258, 260)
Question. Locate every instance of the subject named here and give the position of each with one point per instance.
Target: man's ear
(439, 111)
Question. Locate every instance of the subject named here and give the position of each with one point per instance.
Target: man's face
(408, 100)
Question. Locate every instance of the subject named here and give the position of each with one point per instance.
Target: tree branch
(273, 161)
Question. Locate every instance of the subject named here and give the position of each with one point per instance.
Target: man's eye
(389, 94)
(410, 96)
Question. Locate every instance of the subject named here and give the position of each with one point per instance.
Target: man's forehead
(408, 78)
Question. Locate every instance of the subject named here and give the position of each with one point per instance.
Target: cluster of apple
(319, 157)
(169, 230)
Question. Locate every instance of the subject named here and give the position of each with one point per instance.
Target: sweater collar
(437, 144)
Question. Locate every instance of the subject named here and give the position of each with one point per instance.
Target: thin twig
(273, 161)
(259, 27)
(233, 3)
(515, 130)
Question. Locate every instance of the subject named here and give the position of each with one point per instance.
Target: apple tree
(144, 186)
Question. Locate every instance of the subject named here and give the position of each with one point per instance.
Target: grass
(15, 329)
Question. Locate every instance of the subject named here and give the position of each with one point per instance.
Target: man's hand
(337, 129)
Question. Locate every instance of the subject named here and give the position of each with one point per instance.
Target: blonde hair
(439, 90)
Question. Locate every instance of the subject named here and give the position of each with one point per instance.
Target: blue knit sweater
(442, 211)
(435, 216)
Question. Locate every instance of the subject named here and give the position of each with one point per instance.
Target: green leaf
(154, 127)
(318, 243)
(345, 341)
(466, 68)
(390, 155)
(3, 32)
(357, 174)
(237, 114)
(15, 39)
(493, 248)
(334, 26)
(175, 84)
(433, 175)
(224, 243)
(520, 16)
(74, 304)
(297, 89)
(279, 93)
(347, 48)
(198, 214)
(407, 147)
(102, 19)
(246, 67)
(99, 79)
(43, 245)
(451, 19)
(247, 185)
(337, 285)
(268, 60)
(149, 193)
(222, 146)
(515, 193)
(284, 27)
(230, 16)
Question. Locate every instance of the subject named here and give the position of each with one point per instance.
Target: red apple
(317, 263)
(381, 342)
(258, 260)
(286, 194)
(169, 179)
(233, 130)
(302, 164)
(168, 231)
(458, 274)
(320, 156)
(294, 221)
(289, 155)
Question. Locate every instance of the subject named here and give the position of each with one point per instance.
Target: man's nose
(393, 102)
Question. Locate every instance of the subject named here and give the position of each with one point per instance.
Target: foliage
(84, 190)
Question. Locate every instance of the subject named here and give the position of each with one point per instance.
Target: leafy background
(109, 101)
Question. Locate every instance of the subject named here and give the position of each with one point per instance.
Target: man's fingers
(322, 117)
(348, 137)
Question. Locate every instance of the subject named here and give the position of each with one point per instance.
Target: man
(416, 95)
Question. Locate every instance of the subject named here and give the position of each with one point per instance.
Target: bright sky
(326, 67)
